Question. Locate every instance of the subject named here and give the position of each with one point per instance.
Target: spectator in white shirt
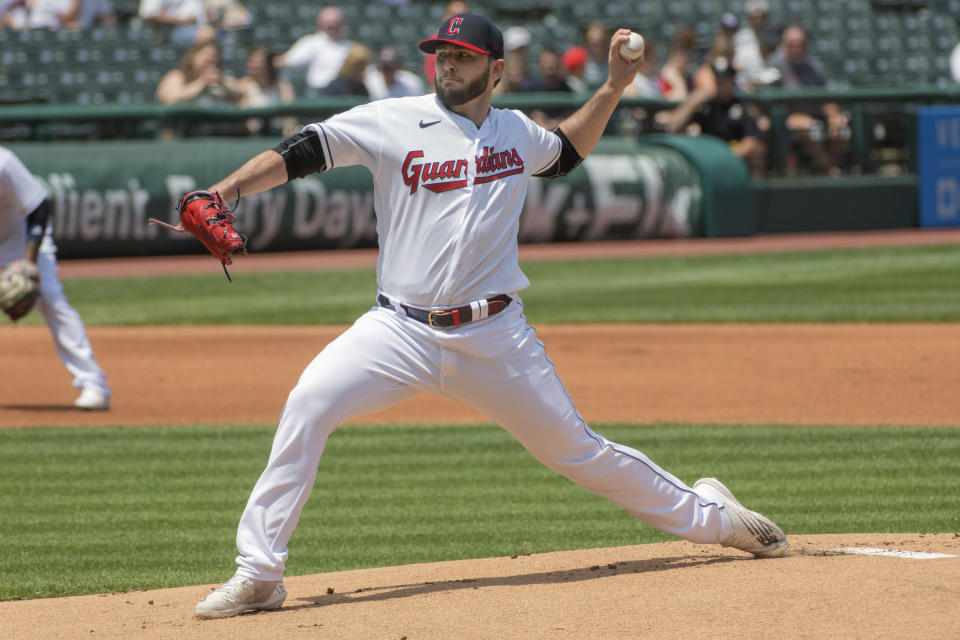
(752, 45)
(390, 80)
(187, 19)
(747, 58)
(322, 52)
(70, 14)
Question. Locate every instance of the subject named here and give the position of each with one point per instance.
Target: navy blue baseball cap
(470, 31)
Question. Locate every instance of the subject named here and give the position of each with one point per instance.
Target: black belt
(454, 316)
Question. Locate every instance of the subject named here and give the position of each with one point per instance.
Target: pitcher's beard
(453, 97)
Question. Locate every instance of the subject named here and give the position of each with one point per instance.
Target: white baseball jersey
(447, 195)
(20, 194)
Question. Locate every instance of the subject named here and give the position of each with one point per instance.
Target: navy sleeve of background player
(303, 154)
(567, 161)
(37, 221)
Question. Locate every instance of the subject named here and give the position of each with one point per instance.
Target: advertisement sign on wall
(938, 166)
(102, 194)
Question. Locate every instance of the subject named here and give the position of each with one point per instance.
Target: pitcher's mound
(669, 590)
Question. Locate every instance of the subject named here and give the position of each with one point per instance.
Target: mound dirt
(671, 590)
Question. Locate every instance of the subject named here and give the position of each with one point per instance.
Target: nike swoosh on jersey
(424, 125)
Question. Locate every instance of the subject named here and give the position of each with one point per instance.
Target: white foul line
(896, 553)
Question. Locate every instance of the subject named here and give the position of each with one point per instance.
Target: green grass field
(911, 284)
(104, 510)
(108, 509)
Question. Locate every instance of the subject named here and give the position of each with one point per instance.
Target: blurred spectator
(516, 40)
(574, 62)
(704, 79)
(349, 82)
(596, 40)
(955, 63)
(769, 37)
(647, 82)
(389, 79)
(452, 8)
(70, 14)
(200, 79)
(227, 15)
(516, 74)
(675, 74)
(746, 42)
(322, 52)
(753, 43)
(187, 19)
(723, 115)
(262, 88)
(550, 75)
(14, 14)
(550, 78)
(818, 131)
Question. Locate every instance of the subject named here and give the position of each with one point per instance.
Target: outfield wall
(672, 186)
(103, 193)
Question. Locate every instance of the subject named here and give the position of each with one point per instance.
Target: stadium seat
(858, 41)
(855, 6)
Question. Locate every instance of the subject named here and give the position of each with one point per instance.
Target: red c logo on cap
(453, 27)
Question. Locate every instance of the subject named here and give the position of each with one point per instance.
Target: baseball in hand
(632, 50)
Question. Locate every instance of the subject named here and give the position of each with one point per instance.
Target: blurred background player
(25, 235)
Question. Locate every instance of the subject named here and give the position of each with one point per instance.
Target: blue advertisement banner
(938, 166)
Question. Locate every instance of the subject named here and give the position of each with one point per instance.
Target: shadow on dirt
(373, 594)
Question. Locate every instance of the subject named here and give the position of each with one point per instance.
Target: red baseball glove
(205, 215)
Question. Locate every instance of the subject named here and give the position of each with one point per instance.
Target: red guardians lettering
(438, 177)
(493, 165)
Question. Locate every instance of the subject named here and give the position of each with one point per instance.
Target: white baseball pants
(496, 366)
(66, 327)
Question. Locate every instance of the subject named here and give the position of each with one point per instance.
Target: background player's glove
(206, 216)
(19, 288)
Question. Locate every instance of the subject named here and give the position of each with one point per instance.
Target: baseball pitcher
(450, 174)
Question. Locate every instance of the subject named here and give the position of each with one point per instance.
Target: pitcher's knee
(310, 405)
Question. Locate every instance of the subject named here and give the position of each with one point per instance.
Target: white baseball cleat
(241, 594)
(92, 400)
(752, 532)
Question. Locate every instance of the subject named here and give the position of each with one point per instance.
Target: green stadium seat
(855, 40)
(85, 57)
(854, 7)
